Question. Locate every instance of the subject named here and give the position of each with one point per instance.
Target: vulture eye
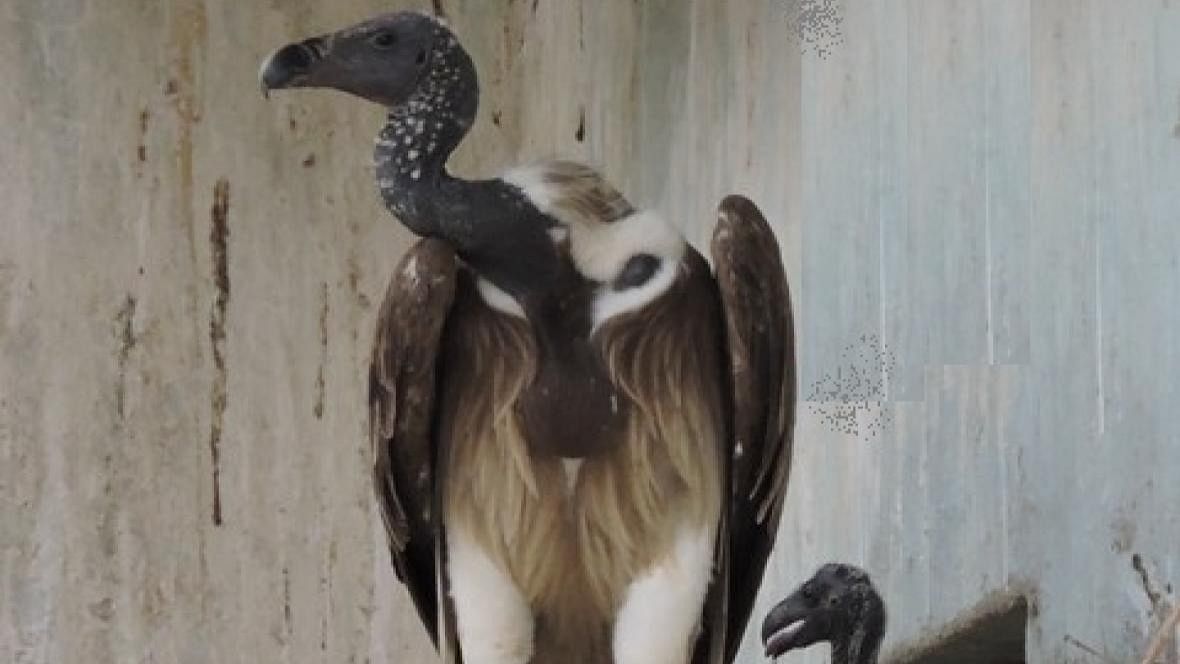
(421, 59)
(384, 39)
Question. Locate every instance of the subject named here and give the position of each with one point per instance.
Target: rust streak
(318, 409)
(219, 240)
(125, 321)
(189, 32)
(141, 148)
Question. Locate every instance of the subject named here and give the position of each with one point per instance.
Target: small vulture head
(838, 604)
(384, 59)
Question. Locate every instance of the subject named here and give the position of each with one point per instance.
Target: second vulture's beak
(292, 65)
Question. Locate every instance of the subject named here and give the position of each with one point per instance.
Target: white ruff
(494, 621)
(662, 610)
(601, 250)
(610, 303)
(530, 179)
(498, 299)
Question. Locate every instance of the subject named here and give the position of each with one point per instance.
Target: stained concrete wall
(977, 205)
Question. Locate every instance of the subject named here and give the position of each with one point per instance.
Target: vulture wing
(402, 392)
(761, 343)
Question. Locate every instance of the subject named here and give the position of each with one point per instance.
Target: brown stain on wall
(318, 409)
(141, 148)
(125, 326)
(189, 32)
(219, 242)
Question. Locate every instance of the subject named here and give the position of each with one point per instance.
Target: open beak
(292, 65)
(783, 626)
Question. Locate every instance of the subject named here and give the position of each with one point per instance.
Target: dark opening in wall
(991, 633)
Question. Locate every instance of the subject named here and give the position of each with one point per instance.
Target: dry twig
(1162, 636)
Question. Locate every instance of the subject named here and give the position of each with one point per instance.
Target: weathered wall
(183, 450)
(990, 190)
(986, 189)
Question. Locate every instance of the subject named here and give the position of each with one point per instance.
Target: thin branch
(1162, 636)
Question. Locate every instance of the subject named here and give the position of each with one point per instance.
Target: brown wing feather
(402, 380)
(761, 342)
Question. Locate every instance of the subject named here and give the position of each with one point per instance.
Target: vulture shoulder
(760, 341)
(402, 388)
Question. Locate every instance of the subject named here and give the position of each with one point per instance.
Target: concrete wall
(990, 192)
(976, 201)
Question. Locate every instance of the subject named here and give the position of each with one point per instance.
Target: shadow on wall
(991, 633)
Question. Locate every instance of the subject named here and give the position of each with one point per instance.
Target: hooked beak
(291, 66)
(783, 626)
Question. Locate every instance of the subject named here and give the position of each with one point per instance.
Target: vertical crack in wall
(318, 409)
(218, 239)
(125, 322)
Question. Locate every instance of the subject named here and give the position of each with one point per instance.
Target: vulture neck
(860, 647)
(489, 223)
(418, 138)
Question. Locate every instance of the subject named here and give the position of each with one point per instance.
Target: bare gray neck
(420, 135)
(861, 647)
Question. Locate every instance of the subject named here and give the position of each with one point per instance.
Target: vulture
(838, 604)
(581, 434)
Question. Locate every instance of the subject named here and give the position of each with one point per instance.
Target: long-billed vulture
(581, 435)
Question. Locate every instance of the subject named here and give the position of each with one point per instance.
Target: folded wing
(760, 341)
(402, 389)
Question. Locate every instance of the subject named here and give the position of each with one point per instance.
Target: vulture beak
(292, 65)
(786, 626)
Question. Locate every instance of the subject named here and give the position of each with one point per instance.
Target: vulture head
(392, 60)
(838, 605)
(412, 64)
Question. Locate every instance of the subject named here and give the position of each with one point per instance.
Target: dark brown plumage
(566, 402)
(411, 351)
(760, 339)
